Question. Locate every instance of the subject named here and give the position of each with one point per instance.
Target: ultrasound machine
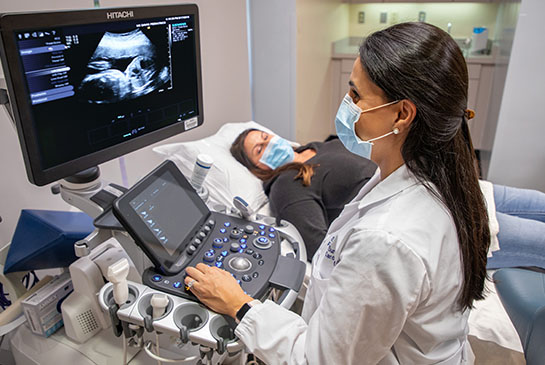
(85, 87)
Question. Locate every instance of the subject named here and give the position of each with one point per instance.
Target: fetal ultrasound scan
(124, 66)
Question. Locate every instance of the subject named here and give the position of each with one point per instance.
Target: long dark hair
(422, 63)
(304, 171)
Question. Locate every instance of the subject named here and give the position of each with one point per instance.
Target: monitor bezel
(10, 23)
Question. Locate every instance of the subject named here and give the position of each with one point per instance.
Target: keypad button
(262, 233)
(271, 229)
(249, 251)
(225, 239)
(223, 230)
(257, 256)
(177, 284)
(246, 278)
(217, 243)
(262, 243)
(235, 234)
(191, 249)
(197, 242)
(206, 229)
(224, 253)
(260, 262)
(255, 275)
(208, 256)
(272, 235)
(249, 229)
(261, 226)
(227, 224)
(235, 247)
(220, 258)
(156, 278)
(243, 246)
(211, 222)
(219, 264)
(242, 240)
(201, 235)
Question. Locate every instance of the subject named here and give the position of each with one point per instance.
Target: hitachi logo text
(120, 14)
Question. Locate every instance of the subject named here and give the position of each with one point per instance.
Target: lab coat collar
(396, 182)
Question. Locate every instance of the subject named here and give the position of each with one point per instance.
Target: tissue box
(43, 308)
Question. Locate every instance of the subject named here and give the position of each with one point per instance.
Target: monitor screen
(158, 207)
(91, 85)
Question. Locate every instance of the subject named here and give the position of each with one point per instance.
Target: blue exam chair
(522, 292)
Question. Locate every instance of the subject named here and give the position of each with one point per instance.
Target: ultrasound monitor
(88, 86)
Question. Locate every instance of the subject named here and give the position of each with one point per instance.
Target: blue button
(226, 239)
(224, 253)
(262, 233)
(218, 244)
(242, 240)
(219, 264)
(261, 226)
(156, 278)
(227, 224)
(271, 229)
(272, 235)
(209, 254)
(241, 250)
(243, 246)
(263, 239)
(223, 230)
(177, 284)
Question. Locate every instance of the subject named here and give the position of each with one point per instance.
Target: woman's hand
(216, 289)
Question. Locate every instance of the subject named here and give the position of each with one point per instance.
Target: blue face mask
(347, 116)
(278, 152)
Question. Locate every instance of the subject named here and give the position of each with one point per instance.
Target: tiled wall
(462, 16)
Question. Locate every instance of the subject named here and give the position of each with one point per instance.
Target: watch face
(242, 311)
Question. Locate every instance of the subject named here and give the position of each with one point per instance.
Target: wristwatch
(244, 309)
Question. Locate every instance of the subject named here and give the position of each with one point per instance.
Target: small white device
(200, 170)
(117, 275)
(81, 312)
(243, 207)
(159, 303)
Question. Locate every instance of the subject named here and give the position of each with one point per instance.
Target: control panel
(248, 250)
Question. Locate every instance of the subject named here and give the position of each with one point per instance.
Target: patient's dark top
(336, 181)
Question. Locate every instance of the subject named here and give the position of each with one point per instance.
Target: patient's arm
(308, 216)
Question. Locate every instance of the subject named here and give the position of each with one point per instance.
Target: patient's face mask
(347, 116)
(278, 152)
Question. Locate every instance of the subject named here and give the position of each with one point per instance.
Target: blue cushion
(44, 239)
(522, 293)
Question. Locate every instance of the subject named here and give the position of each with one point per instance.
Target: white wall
(319, 24)
(272, 29)
(518, 154)
(226, 94)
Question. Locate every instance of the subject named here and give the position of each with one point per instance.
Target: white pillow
(227, 177)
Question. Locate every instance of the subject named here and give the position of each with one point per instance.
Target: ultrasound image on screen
(123, 66)
(98, 85)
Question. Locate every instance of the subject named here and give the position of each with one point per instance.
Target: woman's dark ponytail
(422, 63)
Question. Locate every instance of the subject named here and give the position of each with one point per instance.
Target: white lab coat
(384, 287)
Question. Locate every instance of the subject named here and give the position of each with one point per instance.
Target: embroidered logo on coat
(330, 252)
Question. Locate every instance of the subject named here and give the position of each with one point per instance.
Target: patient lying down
(307, 186)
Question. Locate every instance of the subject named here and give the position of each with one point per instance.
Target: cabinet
(480, 88)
